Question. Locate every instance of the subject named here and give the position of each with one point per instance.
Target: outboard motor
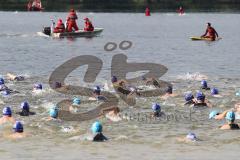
(47, 30)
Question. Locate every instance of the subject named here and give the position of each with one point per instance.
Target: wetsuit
(202, 104)
(189, 102)
(234, 126)
(205, 88)
(99, 137)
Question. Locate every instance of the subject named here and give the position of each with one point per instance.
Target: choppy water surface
(161, 38)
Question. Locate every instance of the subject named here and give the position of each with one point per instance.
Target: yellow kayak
(203, 39)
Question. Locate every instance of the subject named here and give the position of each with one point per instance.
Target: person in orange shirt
(71, 21)
(88, 25)
(60, 28)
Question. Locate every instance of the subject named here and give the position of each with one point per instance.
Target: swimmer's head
(76, 101)
(96, 127)
(209, 24)
(212, 114)
(189, 97)
(143, 78)
(7, 111)
(53, 112)
(191, 136)
(204, 83)
(1, 81)
(38, 86)
(156, 107)
(200, 96)
(230, 116)
(25, 106)
(57, 85)
(169, 90)
(238, 93)
(114, 79)
(5, 92)
(214, 91)
(97, 90)
(18, 127)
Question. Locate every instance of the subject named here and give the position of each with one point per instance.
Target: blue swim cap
(25, 106)
(53, 112)
(96, 127)
(18, 127)
(76, 101)
(1, 81)
(7, 111)
(57, 85)
(230, 116)
(114, 79)
(156, 107)
(38, 86)
(204, 83)
(6, 92)
(214, 91)
(169, 89)
(200, 96)
(188, 97)
(191, 136)
(212, 114)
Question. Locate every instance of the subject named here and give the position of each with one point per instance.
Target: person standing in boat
(181, 10)
(60, 28)
(88, 25)
(210, 32)
(71, 21)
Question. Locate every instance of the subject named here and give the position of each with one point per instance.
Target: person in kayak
(230, 117)
(7, 116)
(210, 32)
(13, 77)
(147, 12)
(88, 25)
(71, 21)
(60, 28)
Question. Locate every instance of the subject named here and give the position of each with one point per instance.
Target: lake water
(162, 38)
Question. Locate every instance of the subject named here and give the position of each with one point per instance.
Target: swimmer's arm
(209, 104)
(221, 116)
(225, 126)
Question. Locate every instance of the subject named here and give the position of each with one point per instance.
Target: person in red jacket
(88, 25)
(181, 10)
(60, 28)
(147, 12)
(210, 32)
(71, 21)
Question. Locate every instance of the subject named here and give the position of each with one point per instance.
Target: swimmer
(169, 93)
(113, 114)
(13, 77)
(3, 87)
(238, 93)
(2, 81)
(201, 101)
(7, 116)
(204, 85)
(230, 117)
(25, 109)
(215, 92)
(156, 110)
(37, 87)
(219, 116)
(120, 86)
(75, 103)
(53, 114)
(151, 81)
(97, 94)
(18, 131)
(189, 98)
(190, 137)
(57, 85)
(97, 135)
